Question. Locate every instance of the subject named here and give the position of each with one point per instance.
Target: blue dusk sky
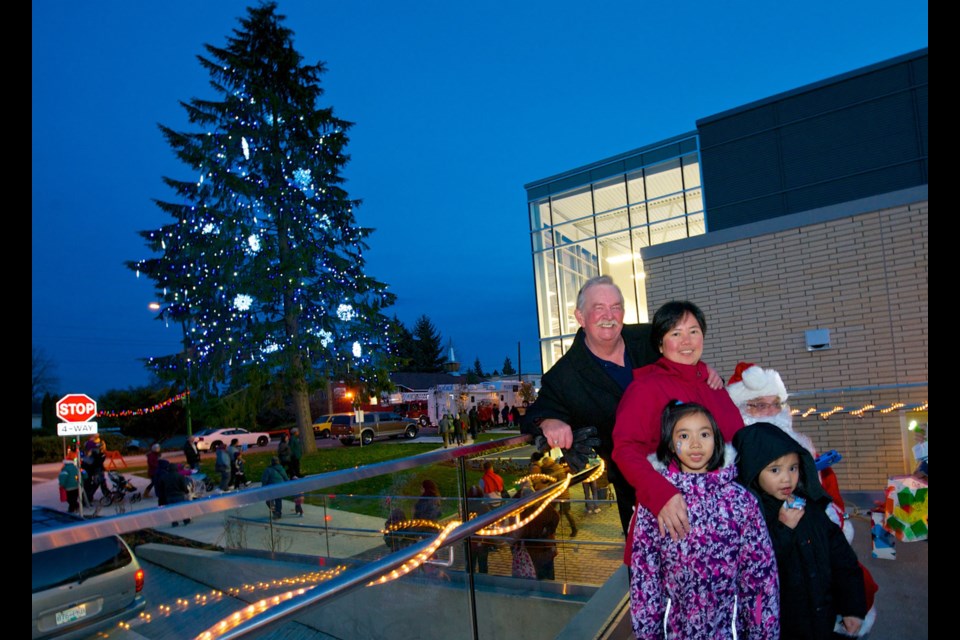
(456, 106)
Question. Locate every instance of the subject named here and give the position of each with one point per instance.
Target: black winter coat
(578, 391)
(820, 577)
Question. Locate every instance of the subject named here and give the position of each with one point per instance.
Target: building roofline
(813, 86)
(610, 160)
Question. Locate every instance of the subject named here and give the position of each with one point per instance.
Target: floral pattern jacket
(691, 588)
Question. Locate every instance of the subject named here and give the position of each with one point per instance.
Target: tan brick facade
(864, 277)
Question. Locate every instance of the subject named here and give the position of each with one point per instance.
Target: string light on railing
(893, 407)
(247, 613)
(492, 530)
(859, 412)
(862, 411)
(420, 558)
(826, 415)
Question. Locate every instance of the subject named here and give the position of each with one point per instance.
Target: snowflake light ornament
(242, 302)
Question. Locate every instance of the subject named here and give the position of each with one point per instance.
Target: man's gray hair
(592, 282)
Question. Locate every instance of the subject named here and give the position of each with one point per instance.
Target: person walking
(192, 453)
(283, 452)
(232, 452)
(536, 540)
(172, 487)
(222, 465)
(446, 428)
(153, 459)
(480, 546)
(428, 506)
(93, 464)
(296, 452)
(274, 474)
(69, 481)
(559, 472)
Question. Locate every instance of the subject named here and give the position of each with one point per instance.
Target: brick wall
(863, 277)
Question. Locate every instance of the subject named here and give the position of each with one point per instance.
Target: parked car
(82, 589)
(208, 438)
(321, 426)
(376, 425)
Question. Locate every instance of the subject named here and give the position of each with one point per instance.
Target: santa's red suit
(749, 382)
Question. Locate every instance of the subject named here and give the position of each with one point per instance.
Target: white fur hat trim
(756, 382)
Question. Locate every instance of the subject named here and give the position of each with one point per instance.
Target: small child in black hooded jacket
(820, 577)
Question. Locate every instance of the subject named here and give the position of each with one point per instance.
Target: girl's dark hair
(801, 488)
(667, 317)
(672, 413)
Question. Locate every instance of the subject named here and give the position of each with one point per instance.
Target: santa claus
(762, 397)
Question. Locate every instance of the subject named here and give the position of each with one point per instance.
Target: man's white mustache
(606, 324)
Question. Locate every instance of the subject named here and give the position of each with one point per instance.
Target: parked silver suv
(82, 588)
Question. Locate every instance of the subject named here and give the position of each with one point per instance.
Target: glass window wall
(601, 228)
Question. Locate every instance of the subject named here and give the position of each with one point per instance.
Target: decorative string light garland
(126, 413)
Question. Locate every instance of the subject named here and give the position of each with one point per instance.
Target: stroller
(119, 487)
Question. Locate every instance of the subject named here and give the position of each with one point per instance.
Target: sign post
(76, 410)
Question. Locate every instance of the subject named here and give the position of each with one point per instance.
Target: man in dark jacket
(274, 474)
(192, 453)
(585, 385)
(172, 486)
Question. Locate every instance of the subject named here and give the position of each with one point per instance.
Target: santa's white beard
(783, 419)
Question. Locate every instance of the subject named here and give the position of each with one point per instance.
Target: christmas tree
(262, 266)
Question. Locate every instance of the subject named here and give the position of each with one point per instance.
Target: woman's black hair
(667, 317)
(672, 413)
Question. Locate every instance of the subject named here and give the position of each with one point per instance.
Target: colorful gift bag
(883, 541)
(905, 508)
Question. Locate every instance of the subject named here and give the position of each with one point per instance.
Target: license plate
(72, 614)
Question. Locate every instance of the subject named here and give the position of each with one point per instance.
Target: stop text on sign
(68, 410)
(76, 407)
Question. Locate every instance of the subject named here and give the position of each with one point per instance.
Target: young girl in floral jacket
(689, 589)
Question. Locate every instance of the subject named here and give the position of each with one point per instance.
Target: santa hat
(750, 381)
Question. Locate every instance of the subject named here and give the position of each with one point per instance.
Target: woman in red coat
(678, 330)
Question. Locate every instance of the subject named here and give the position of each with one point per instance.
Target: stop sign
(76, 407)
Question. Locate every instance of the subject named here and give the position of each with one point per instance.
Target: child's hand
(790, 517)
(851, 624)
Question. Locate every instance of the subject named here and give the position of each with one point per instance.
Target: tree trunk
(301, 408)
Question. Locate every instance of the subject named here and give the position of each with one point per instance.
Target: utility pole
(519, 367)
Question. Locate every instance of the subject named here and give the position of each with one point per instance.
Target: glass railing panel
(234, 561)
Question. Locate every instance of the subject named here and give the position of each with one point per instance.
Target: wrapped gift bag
(905, 508)
(884, 544)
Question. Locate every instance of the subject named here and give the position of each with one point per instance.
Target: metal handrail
(159, 516)
(364, 575)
